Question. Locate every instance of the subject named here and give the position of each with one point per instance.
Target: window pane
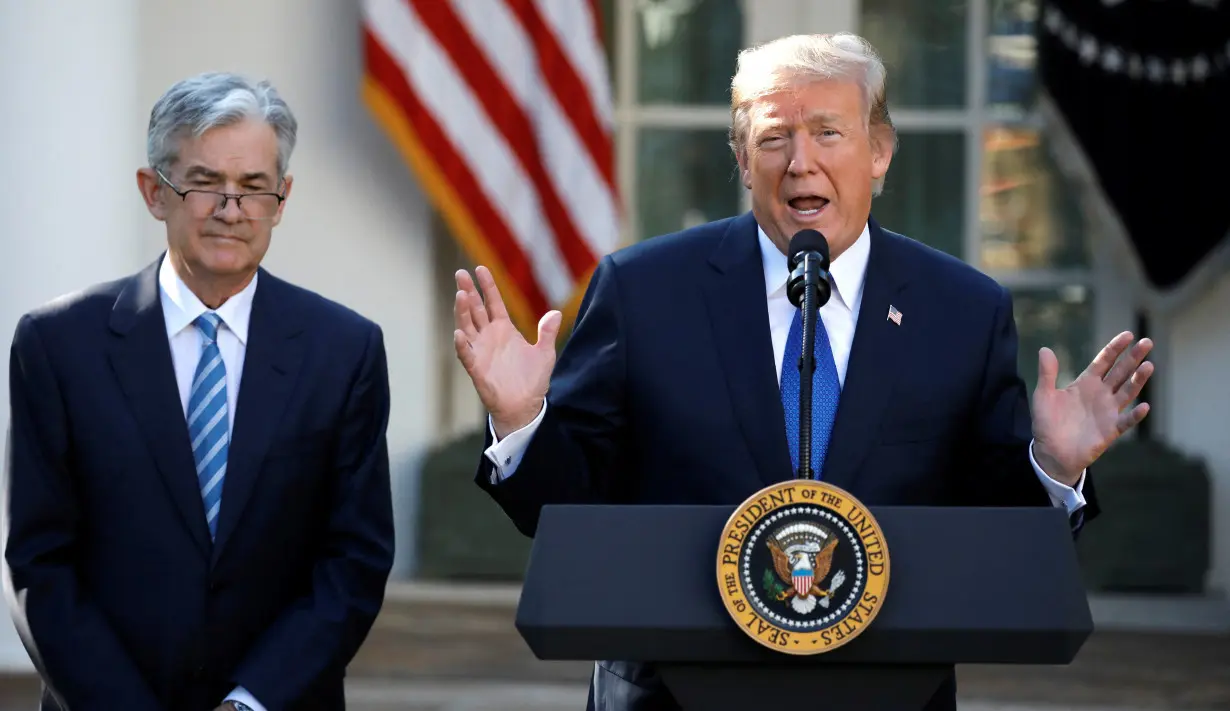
(687, 50)
(1061, 320)
(1012, 50)
(924, 194)
(923, 46)
(684, 177)
(1030, 216)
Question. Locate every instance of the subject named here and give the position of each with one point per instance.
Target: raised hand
(1075, 425)
(510, 374)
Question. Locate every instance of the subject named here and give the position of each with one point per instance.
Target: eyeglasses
(211, 203)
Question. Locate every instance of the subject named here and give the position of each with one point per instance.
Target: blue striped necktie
(826, 390)
(208, 421)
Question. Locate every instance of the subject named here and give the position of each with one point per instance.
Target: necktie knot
(208, 323)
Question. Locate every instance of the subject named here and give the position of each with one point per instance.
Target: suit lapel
(271, 364)
(141, 359)
(870, 374)
(738, 314)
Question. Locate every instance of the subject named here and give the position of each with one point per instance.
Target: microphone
(808, 288)
(808, 257)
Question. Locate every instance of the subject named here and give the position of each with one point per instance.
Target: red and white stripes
(503, 108)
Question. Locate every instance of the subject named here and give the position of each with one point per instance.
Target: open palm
(1073, 426)
(510, 374)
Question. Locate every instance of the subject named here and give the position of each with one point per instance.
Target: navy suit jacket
(117, 591)
(667, 393)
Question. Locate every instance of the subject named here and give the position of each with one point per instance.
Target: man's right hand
(510, 375)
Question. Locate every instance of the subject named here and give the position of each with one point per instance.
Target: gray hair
(790, 61)
(197, 104)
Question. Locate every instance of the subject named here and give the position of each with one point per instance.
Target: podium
(968, 586)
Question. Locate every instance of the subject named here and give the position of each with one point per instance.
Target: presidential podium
(967, 586)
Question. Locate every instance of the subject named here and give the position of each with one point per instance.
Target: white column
(1195, 407)
(71, 137)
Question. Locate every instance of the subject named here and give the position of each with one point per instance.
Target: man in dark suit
(678, 383)
(198, 510)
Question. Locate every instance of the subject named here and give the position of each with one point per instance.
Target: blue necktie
(825, 392)
(208, 421)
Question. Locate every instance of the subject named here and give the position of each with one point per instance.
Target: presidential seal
(802, 567)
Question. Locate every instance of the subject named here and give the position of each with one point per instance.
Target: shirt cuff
(242, 696)
(505, 454)
(1072, 499)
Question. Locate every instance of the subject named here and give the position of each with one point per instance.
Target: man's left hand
(1075, 425)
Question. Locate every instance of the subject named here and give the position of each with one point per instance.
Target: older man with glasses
(198, 510)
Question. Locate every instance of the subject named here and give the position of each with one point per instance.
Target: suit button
(215, 585)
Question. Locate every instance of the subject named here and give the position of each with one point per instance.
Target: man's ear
(883, 138)
(745, 173)
(150, 186)
(287, 182)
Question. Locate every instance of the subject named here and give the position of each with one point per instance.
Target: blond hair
(798, 59)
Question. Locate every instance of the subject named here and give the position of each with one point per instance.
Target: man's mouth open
(807, 206)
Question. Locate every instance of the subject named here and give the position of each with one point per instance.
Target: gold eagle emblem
(824, 574)
(803, 565)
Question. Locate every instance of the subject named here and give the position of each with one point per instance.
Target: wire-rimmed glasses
(211, 203)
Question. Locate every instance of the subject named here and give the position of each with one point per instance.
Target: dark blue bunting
(1145, 87)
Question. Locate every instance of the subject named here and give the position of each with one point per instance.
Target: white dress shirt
(840, 315)
(180, 308)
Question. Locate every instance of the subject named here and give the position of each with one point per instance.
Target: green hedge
(462, 533)
(1153, 534)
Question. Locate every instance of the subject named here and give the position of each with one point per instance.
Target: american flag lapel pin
(894, 315)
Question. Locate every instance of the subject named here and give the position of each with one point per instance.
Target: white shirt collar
(848, 270)
(180, 307)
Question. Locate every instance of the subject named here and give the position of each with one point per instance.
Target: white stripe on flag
(445, 94)
(575, 28)
(568, 163)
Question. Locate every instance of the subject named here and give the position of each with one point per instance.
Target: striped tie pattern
(208, 422)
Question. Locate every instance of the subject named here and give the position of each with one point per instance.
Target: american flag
(503, 110)
(894, 315)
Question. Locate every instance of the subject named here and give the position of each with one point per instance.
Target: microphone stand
(811, 268)
(807, 288)
(807, 360)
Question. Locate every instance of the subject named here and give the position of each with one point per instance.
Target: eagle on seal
(803, 564)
